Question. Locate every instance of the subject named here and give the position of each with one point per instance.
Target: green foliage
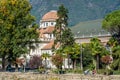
(45, 55)
(87, 56)
(17, 28)
(111, 23)
(116, 58)
(77, 71)
(97, 51)
(41, 70)
(61, 24)
(97, 48)
(73, 51)
(116, 72)
(112, 42)
(67, 38)
(57, 60)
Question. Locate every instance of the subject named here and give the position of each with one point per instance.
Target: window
(46, 24)
(50, 35)
(52, 23)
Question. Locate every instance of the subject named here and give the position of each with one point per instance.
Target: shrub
(35, 62)
(57, 60)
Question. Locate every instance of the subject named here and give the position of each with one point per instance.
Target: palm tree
(76, 51)
(72, 53)
(66, 51)
(96, 49)
(115, 50)
(45, 56)
(116, 57)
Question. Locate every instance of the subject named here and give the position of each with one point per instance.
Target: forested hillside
(79, 10)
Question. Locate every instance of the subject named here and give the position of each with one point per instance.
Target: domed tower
(49, 19)
(47, 26)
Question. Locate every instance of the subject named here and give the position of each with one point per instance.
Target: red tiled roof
(52, 15)
(47, 30)
(50, 45)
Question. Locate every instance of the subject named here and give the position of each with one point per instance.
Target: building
(46, 37)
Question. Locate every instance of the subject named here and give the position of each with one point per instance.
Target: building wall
(44, 24)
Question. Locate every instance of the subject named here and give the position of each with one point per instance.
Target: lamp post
(81, 63)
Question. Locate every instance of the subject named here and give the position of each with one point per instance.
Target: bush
(116, 72)
(74, 71)
(110, 72)
(55, 71)
(57, 60)
(58, 71)
(41, 70)
(101, 71)
(35, 62)
(78, 71)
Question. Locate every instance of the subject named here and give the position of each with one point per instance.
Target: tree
(114, 47)
(116, 57)
(61, 23)
(75, 54)
(87, 56)
(97, 50)
(45, 56)
(62, 33)
(57, 60)
(107, 60)
(72, 53)
(67, 38)
(111, 23)
(17, 28)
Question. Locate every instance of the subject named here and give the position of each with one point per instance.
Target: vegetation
(79, 10)
(57, 60)
(97, 51)
(112, 24)
(17, 29)
(87, 56)
(44, 57)
(61, 24)
(35, 62)
(116, 58)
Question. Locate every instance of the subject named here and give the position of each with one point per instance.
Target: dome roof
(52, 15)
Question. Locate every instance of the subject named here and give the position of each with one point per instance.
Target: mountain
(79, 10)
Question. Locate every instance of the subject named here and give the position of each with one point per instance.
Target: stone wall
(37, 76)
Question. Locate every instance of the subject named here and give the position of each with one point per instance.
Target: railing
(91, 35)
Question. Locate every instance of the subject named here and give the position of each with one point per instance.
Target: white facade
(44, 24)
(46, 28)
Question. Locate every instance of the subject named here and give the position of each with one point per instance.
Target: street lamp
(81, 63)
